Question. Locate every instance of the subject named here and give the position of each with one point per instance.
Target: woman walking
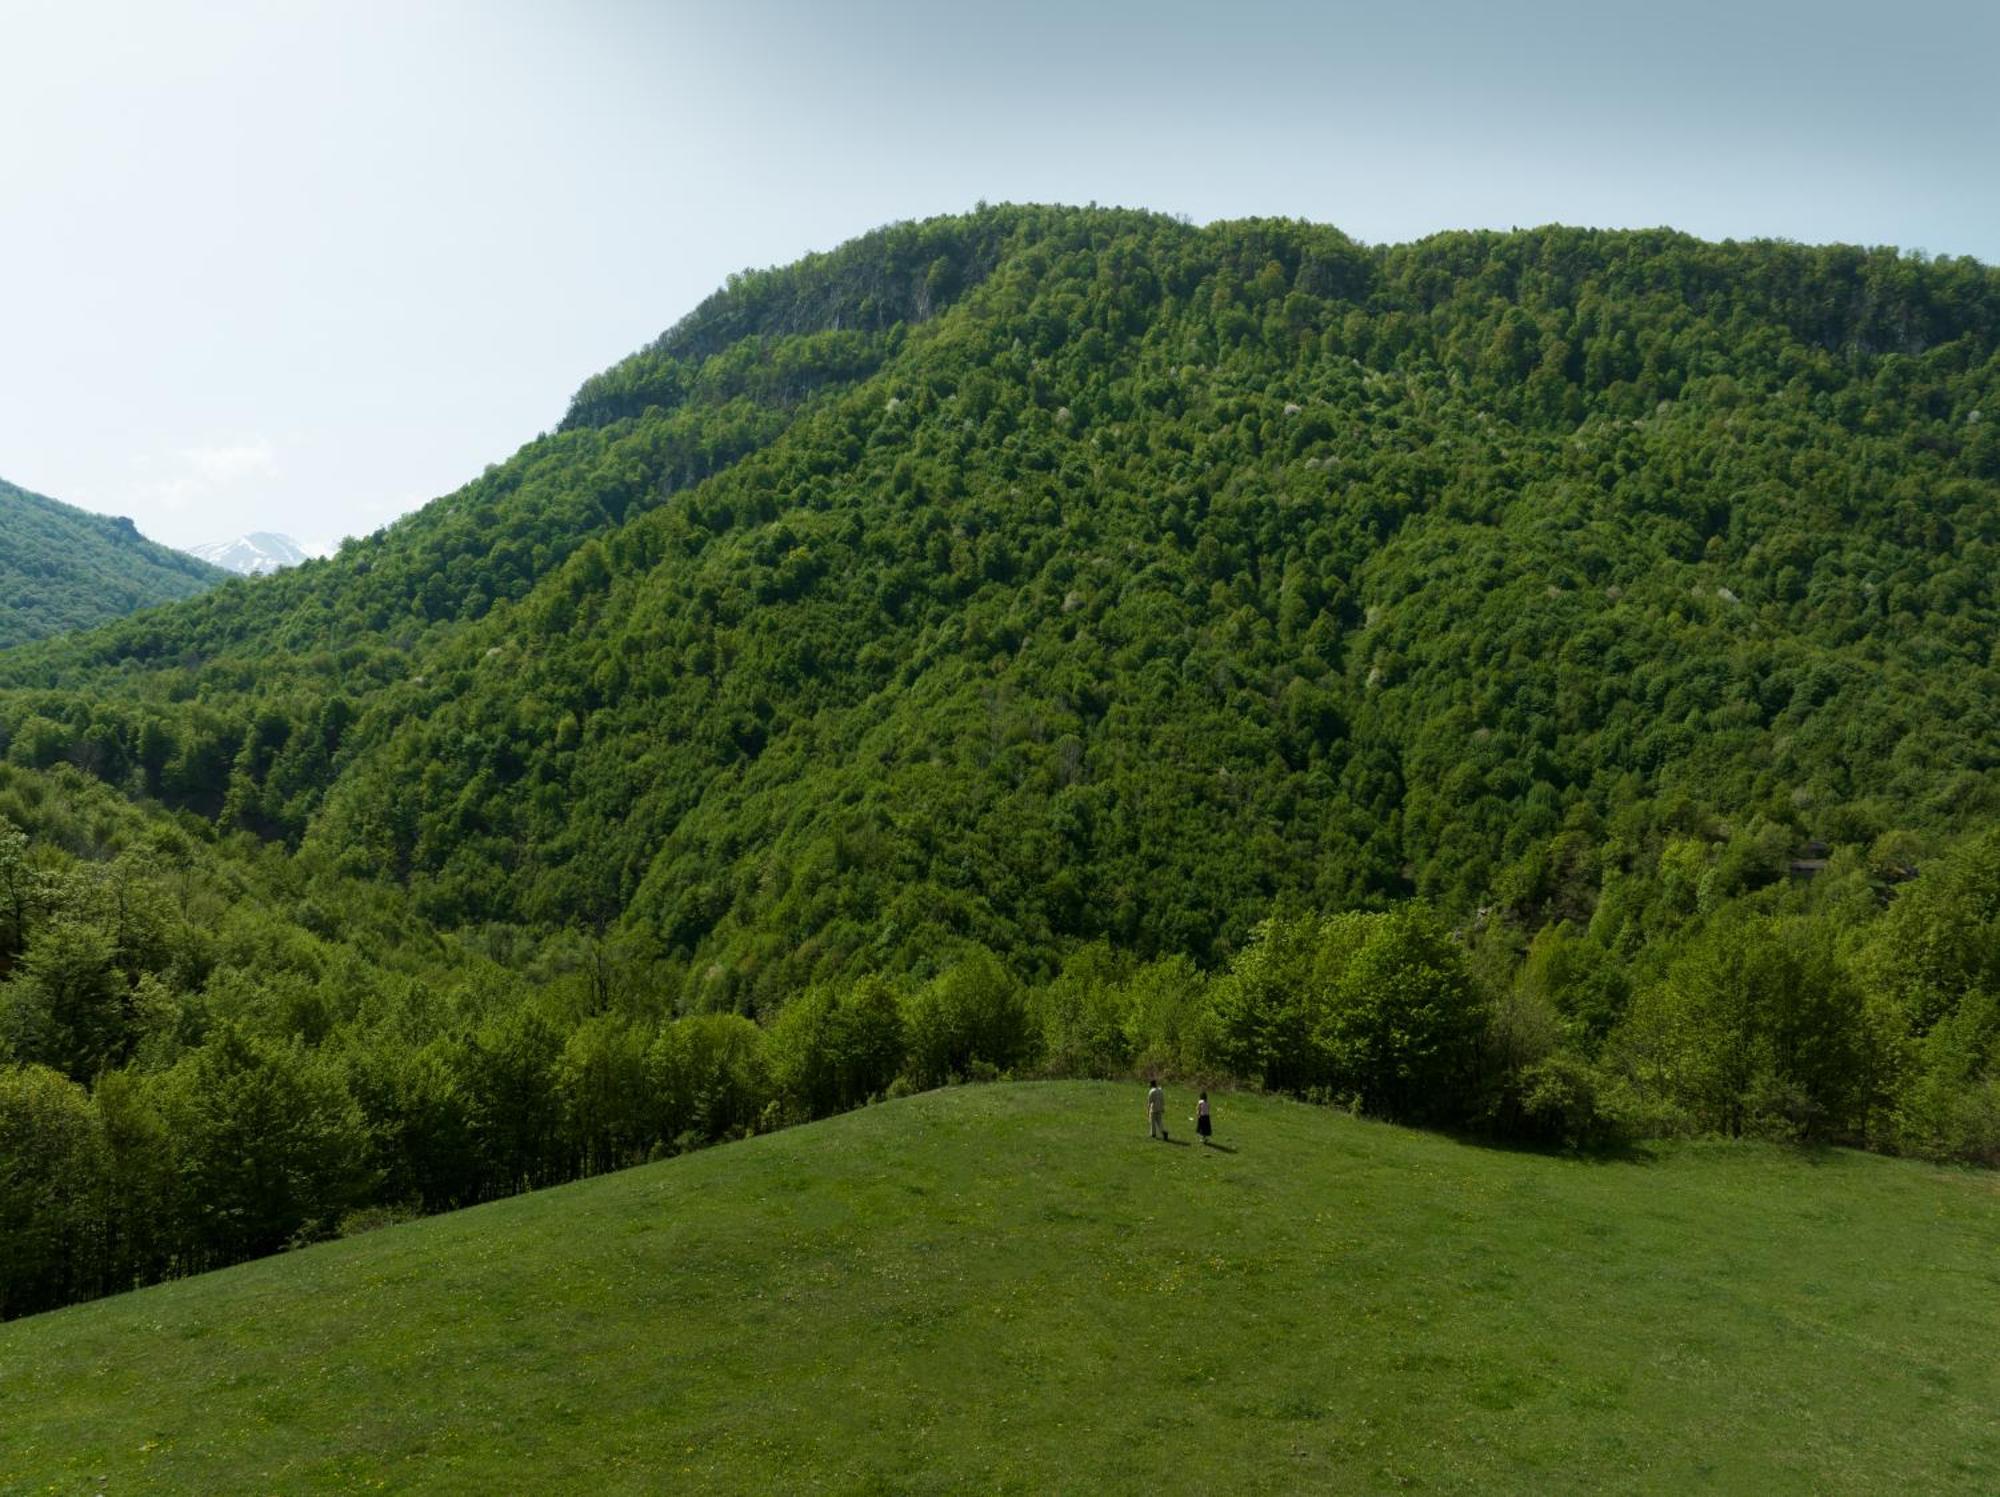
(1201, 1123)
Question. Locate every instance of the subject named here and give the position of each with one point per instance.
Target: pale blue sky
(304, 266)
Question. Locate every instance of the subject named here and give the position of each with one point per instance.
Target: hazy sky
(304, 266)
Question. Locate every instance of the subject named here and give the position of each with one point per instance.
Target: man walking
(1156, 1111)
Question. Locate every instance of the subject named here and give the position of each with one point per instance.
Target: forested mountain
(998, 626)
(63, 568)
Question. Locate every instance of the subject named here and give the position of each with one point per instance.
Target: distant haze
(304, 267)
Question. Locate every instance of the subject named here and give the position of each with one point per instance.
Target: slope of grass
(1011, 1289)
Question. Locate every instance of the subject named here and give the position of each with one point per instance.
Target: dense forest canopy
(1541, 679)
(63, 568)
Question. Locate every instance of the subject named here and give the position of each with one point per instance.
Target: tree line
(194, 1076)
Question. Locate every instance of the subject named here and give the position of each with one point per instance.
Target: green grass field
(1010, 1288)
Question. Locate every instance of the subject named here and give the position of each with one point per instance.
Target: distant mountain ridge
(64, 568)
(252, 555)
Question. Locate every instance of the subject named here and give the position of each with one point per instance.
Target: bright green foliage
(63, 568)
(1403, 1025)
(51, 1206)
(1941, 940)
(145, 1235)
(710, 1077)
(1376, 1008)
(1756, 1026)
(1083, 1015)
(1170, 1019)
(417, 1101)
(513, 1113)
(65, 1008)
(1578, 979)
(19, 888)
(1950, 1106)
(267, 1145)
(970, 1017)
(831, 1050)
(600, 1083)
(1270, 1006)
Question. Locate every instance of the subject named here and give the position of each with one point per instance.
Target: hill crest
(926, 1293)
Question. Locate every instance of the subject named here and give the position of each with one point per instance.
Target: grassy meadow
(1010, 1289)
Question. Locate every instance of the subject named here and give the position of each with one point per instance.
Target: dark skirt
(1201, 1125)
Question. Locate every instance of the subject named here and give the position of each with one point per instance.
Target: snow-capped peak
(253, 554)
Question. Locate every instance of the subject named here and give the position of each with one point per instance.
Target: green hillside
(1011, 1289)
(1539, 683)
(994, 570)
(63, 568)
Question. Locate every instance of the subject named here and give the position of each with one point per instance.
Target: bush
(1559, 1103)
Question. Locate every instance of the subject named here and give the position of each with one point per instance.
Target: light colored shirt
(1156, 1101)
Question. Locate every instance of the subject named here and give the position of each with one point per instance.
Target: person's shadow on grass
(1219, 1148)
